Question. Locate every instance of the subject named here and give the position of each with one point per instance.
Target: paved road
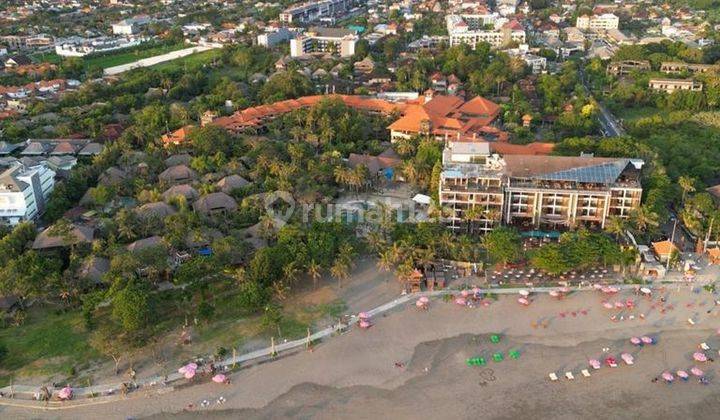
(611, 127)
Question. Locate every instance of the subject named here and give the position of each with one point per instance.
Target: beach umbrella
(554, 293)
(645, 290)
(682, 374)
(364, 323)
(668, 376)
(524, 293)
(465, 293)
(190, 367)
(514, 354)
(424, 299)
(630, 303)
(219, 378)
(636, 341)
(608, 305)
(696, 371)
(597, 286)
(364, 315)
(594, 363)
(647, 340)
(610, 361)
(613, 289)
(523, 301)
(498, 357)
(627, 357)
(419, 304)
(460, 301)
(189, 374)
(699, 356)
(619, 305)
(564, 289)
(65, 393)
(475, 290)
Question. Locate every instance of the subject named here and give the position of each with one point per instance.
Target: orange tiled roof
(178, 136)
(664, 247)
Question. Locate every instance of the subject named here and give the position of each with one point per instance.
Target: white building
(131, 26)
(331, 40)
(273, 37)
(314, 10)
(80, 47)
(24, 192)
(602, 22)
(490, 28)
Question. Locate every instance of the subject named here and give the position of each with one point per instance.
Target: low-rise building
(603, 22)
(24, 192)
(671, 85)
(131, 26)
(676, 67)
(623, 68)
(532, 191)
(314, 10)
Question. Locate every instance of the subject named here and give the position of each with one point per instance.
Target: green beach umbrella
(498, 357)
(514, 354)
(495, 338)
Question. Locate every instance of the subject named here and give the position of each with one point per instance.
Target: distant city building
(329, 40)
(601, 22)
(671, 85)
(131, 26)
(534, 192)
(315, 10)
(24, 192)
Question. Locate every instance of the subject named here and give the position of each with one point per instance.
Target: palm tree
(386, 260)
(340, 271)
(471, 215)
(615, 225)
(315, 272)
(687, 185)
(375, 241)
(409, 171)
(643, 218)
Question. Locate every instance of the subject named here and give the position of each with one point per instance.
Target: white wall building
(602, 22)
(490, 28)
(271, 38)
(130, 26)
(314, 10)
(333, 40)
(24, 192)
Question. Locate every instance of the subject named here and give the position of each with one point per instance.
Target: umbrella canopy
(697, 371)
(597, 286)
(668, 376)
(424, 299)
(627, 357)
(523, 301)
(554, 293)
(594, 363)
(645, 290)
(682, 374)
(419, 303)
(700, 357)
(364, 324)
(460, 301)
(647, 340)
(564, 290)
(189, 374)
(524, 293)
(219, 378)
(465, 293)
(475, 290)
(65, 393)
(636, 341)
(608, 305)
(610, 361)
(363, 315)
(619, 305)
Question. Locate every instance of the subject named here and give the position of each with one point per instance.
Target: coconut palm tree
(643, 218)
(687, 185)
(340, 271)
(616, 226)
(314, 271)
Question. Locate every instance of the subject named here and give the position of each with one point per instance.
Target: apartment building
(24, 192)
(474, 29)
(671, 85)
(532, 191)
(328, 40)
(315, 10)
(603, 22)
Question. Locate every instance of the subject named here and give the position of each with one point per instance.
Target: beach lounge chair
(569, 375)
(704, 346)
(690, 321)
(553, 377)
(585, 373)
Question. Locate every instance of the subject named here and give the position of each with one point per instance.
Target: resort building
(24, 192)
(623, 68)
(534, 191)
(326, 40)
(671, 85)
(131, 26)
(314, 10)
(601, 22)
(675, 67)
(474, 29)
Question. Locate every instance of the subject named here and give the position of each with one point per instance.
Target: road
(611, 127)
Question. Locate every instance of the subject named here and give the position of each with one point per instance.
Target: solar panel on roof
(604, 173)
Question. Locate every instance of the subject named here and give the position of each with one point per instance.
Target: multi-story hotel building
(24, 192)
(314, 10)
(603, 22)
(473, 29)
(534, 192)
(328, 40)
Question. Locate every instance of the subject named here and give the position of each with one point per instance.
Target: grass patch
(47, 343)
(630, 115)
(124, 57)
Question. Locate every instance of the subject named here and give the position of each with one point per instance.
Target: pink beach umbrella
(419, 304)
(668, 376)
(697, 371)
(364, 323)
(594, 363)
(627, 357)
(465, 293)
(523, 301)
(682, 374)
(189, 374)
(608, 305)
(646, 340)
(636, 341)
(219, 378)
(461, 301)
(554, 293)
(524, 293)
(424, 299)
(65, 393)
(700, 357)
(619, 305)
(564, 290)
(364, 315)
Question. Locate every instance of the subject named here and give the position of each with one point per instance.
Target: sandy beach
(355, 375)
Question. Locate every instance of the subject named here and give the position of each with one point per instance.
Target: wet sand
(354, 376)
